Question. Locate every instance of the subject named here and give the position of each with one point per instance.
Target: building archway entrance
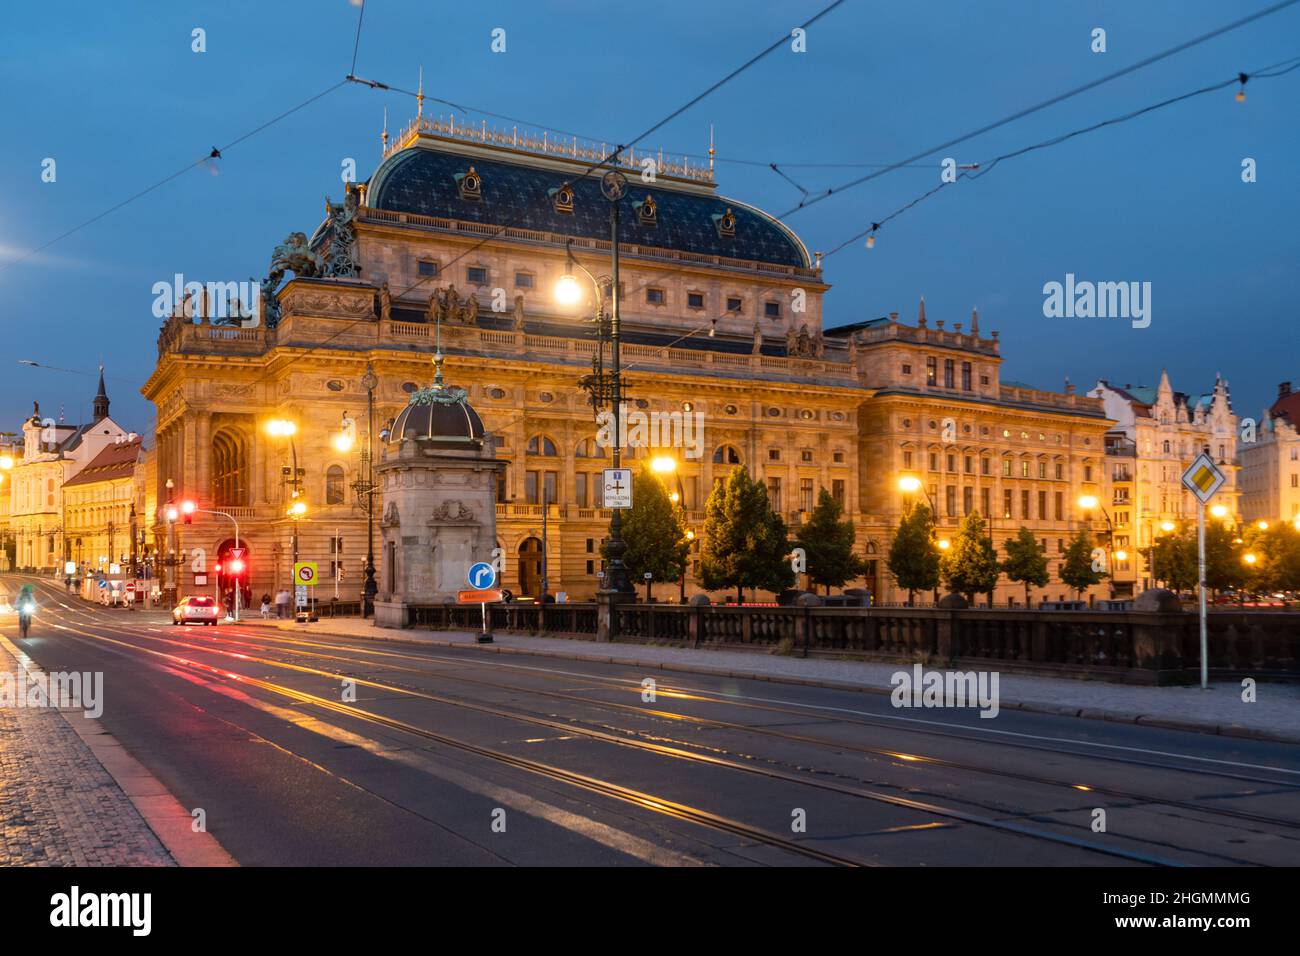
(530, 567)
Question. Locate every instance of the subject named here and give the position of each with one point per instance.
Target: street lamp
(1089, 503)
(284, 428)
(369, 382)
(605, 387)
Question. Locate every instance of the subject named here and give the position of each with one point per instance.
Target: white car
(198, 608)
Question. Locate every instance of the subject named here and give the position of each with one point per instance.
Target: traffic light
(235, 567)
(188, 508)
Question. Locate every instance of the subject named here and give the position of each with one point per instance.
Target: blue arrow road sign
(482, 575)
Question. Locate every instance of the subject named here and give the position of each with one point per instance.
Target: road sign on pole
(304, 573)
(618, 487)
(1202, 478)
(481, 576)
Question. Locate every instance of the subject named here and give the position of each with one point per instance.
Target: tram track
(649, 801)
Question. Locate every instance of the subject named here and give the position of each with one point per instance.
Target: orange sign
(487, 596)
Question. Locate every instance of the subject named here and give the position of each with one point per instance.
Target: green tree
(1172, 559)
(1223, 566)
(1026, 562)
(827, 539)
(1076, 569)
(970, 565)
(913, 559)
(1277, 557)
(653, 531)
(746, 544)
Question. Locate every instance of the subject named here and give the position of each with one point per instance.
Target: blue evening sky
(114, 94)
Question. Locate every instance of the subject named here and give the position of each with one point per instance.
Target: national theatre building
(457, 241)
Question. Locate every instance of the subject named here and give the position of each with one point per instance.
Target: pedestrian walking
(282, 603)
(266, 606)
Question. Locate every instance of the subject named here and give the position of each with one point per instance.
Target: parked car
(199, 608)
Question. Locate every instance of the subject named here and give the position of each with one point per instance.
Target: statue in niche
(519, 313)
(385, 302)
(758, 339)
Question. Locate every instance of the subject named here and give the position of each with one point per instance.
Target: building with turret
(54, 452)
(1157, 433)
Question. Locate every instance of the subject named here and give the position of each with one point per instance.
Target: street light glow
(1219, 511)
(281, 428)
(944, 544)
(6, 462)
(909, 483)
(1249, 558)
(298, 508)
(343, 442)
(188, 507)
(1121, 555)
(1087, 502)
(1166, 526)
(1262, 525)
(568, 291)
(664, 464)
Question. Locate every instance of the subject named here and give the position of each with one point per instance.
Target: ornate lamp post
(368, 591)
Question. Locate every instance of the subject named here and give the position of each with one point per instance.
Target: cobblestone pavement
(58, 806)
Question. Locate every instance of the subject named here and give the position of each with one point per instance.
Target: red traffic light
(235, 566)
(217, 569)
(188, 508)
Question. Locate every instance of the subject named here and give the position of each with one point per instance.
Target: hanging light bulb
(1241, 93)
(871, 236)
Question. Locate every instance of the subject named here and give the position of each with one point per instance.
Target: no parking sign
(304, 573)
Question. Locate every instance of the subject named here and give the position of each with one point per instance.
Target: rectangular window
(695, 300)
(907, 459)
(952, 462)
(805, 494)
(948, 366)
(837, 491)
(950, 500)
(965, 376)
(655, 296)
(984, 503)
(1042, 469)
(477, 275)
(734, 304)
(530, 487)
(336, 556)
(931, 370)
(524, 280)
(1006, 503)
(984, 379)
(805, 455)
(549, 481)
(907, 369)
(1024, 469)
(1060, 471)
(591, 545)
(838, 457)
(984, 466)
(772, 310)
(1042, 506)
(774, 493)
(1024, 505)
(934, 462)
(1058, 508)
(1087, 472)
(967, 500)
(427, 268)
(1006, 467)
(580, 489)
(774, 454)
(591, 567)
(970, 465)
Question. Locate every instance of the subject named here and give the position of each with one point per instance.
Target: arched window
(541, 445)
(589, 448)
(726, 455)
(229, 469)
(334, 485)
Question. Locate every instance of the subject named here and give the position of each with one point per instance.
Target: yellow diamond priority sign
(1202, 478)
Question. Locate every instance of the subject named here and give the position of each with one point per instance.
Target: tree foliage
(653, 531)
(1076, 568)
(745, 543)
(1026, 562)
(913, 558)
(827, 539)
(970, 565)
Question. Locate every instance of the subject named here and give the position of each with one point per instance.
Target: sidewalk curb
(170, 822)
(1037, 707)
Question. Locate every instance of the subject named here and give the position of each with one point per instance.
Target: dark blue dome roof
(424, 181)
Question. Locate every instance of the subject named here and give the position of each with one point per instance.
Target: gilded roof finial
(384, 136)
(710, 147)
(419, 96)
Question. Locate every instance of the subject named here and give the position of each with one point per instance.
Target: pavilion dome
(440, 416)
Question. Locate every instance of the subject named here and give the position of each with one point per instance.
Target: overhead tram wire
(976, 170)
(214, 153)
(984, 167)
(356, 46)
(1051, 101)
